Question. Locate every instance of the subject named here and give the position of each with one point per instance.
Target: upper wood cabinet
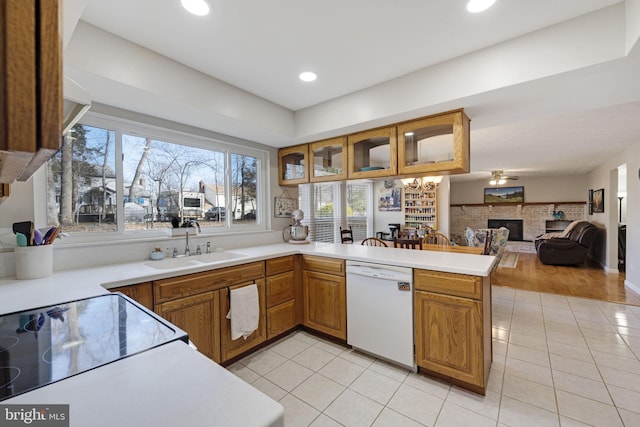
(293, 165)
(30, 86)
(434, 145)
(372, 154)
(328, 159)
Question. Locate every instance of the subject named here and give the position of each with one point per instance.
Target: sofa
(569, 247)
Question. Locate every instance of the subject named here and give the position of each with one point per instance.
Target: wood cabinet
(324, 295)
(452, 317)
(433, 145)
(293, 165)
(282, 290)
(232, 348)
(197, 303)
(199, 316)
(328, 160)
(141, 292)
(30, 86)
(373, 153)
(420, 206)
(437, 145)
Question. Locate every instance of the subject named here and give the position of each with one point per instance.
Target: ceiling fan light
(492, 182)
(502, 181)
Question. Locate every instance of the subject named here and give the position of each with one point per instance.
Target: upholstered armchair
(496, 245)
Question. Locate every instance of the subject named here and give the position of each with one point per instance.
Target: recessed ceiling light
(307, 76)
(475, 6)
(197, 7)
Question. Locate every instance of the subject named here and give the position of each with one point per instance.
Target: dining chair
(436, 238)
(407, 243)
(373, 241)
(346, 236)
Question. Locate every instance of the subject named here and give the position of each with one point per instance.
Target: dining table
(452, 248)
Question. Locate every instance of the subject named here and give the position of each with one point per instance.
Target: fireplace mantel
(516, 204)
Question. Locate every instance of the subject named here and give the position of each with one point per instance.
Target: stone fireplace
(515, 227)
(532, 216)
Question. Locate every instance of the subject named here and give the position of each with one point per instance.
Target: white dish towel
(244, 311)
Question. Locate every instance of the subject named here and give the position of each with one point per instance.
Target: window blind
(329, 206)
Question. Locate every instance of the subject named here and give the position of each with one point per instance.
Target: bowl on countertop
(156, 255)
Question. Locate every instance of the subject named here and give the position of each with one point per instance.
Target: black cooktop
(47, 344)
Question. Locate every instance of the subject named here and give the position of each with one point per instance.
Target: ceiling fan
(499, 178)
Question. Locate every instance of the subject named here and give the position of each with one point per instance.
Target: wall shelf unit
(420, 206)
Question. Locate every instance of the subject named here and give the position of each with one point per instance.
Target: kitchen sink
(172, 263)
(218, 257)
(194, 260)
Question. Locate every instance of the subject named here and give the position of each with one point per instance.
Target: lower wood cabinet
(141, 292)
(325, 296)
(232, 348)
(449, 335)
(199, 316)
(453, 329)
(281, 298)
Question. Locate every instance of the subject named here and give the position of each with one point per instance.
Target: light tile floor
(557, 361)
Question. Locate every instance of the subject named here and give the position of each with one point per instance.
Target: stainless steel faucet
(187, 252)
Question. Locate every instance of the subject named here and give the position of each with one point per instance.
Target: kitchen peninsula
(173, 384)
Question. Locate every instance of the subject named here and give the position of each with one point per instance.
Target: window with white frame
(329, 206)
(164, 179)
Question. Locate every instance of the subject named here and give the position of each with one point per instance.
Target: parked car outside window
(215, 213)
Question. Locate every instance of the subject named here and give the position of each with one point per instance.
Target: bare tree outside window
(82, 190)
(164, 183)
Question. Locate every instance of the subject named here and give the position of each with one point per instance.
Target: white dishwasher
(380, 311)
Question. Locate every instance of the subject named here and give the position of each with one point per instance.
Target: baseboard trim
(634, 288)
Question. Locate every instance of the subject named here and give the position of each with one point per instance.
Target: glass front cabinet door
(373, 153)
(329, 159)
(436, 144)
(293, 165)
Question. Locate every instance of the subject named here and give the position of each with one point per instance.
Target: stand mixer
(296, 233)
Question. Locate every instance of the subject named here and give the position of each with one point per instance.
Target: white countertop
(173, 384)
(69, 285)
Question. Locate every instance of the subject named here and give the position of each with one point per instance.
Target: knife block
(34, 262)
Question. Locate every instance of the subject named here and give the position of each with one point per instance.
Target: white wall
(536, 189)
(605, 176)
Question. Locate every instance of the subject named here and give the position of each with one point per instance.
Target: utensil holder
(34, 262)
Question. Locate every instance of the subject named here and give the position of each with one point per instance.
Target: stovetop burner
(47, 344)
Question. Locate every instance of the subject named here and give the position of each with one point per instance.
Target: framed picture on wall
(283, 207)
(496, 195)
(598, 201)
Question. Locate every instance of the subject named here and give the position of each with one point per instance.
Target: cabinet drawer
(280, 265)
(281, 318)
(280, 288)
(448, 283)
(333, 266)
(191, 284)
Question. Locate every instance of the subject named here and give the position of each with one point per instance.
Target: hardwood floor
(588, 281)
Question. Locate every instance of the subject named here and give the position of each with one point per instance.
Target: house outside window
(163, 180)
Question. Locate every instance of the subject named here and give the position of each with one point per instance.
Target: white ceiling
(359, 46)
